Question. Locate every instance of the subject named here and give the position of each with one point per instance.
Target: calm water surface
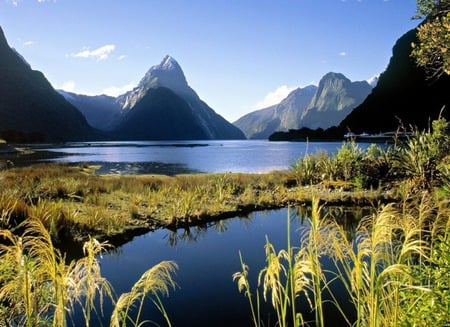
(174, 157)
(207, 257)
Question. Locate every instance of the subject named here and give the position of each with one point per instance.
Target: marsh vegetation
(395, 268)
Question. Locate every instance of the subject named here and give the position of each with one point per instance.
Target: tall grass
(396, 260)
(38, 287)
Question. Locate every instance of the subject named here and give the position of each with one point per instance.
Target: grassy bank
(73, 201)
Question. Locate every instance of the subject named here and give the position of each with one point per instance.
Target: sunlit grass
(72, 200)
(387, 268)
(39, 288)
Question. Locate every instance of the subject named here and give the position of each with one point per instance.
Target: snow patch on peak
(168, 63)
(373, 81)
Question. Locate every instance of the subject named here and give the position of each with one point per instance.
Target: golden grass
(74, 201)
(387, 267)
(38, 287)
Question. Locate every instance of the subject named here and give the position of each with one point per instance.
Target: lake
(207, 256)
(175, 157)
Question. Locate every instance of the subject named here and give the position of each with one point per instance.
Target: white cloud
(101, 53)
(28, 43)
(68, 86)
(343, 54)
(118, 90)
(121, 57)
(275, 97)
(16, 2)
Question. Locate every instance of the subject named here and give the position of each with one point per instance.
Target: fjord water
(174, 157)
(207, 256)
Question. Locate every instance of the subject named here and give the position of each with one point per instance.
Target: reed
(396, 260)
(244, 285)
(39, 288)
(157, 280)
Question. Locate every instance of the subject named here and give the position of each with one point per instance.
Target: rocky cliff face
(30, 105)
(403, 95)
(283, 116)
(312, 107)
(335, 98)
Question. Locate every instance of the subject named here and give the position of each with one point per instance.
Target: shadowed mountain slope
(30, 105)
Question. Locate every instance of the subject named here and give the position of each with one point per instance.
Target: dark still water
(207, 258)
(173, 157)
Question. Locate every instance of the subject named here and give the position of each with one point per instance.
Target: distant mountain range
(101, 111)
(163, 106)
(30, 109)
(312, 107)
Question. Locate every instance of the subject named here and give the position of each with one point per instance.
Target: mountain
(335, 97)
(161, 115)
(286, 115)
(164, 96)
(403, 95)
(30, 105)
(101, 111)
(312, 107)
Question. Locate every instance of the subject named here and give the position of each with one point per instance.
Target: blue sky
(239, 55)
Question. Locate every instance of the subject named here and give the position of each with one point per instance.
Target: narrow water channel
(207, 258)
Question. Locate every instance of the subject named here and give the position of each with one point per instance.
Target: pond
(207, 257)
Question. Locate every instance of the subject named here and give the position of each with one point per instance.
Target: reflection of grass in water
(387, 269)
(38, 287)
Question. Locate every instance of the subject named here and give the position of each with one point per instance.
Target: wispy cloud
(121, 57)
(16, 2)
(343, 53)
(100, 53)
(28, 43)
(275, 97)
(118, 90)
(68, 86)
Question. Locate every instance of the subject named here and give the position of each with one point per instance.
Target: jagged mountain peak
(333, 78)
(167, 73)
(333, 75)
(312, 106)
(169, 63)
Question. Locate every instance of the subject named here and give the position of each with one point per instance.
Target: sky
(238, 55)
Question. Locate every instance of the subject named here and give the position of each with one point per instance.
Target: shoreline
(75, 203)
